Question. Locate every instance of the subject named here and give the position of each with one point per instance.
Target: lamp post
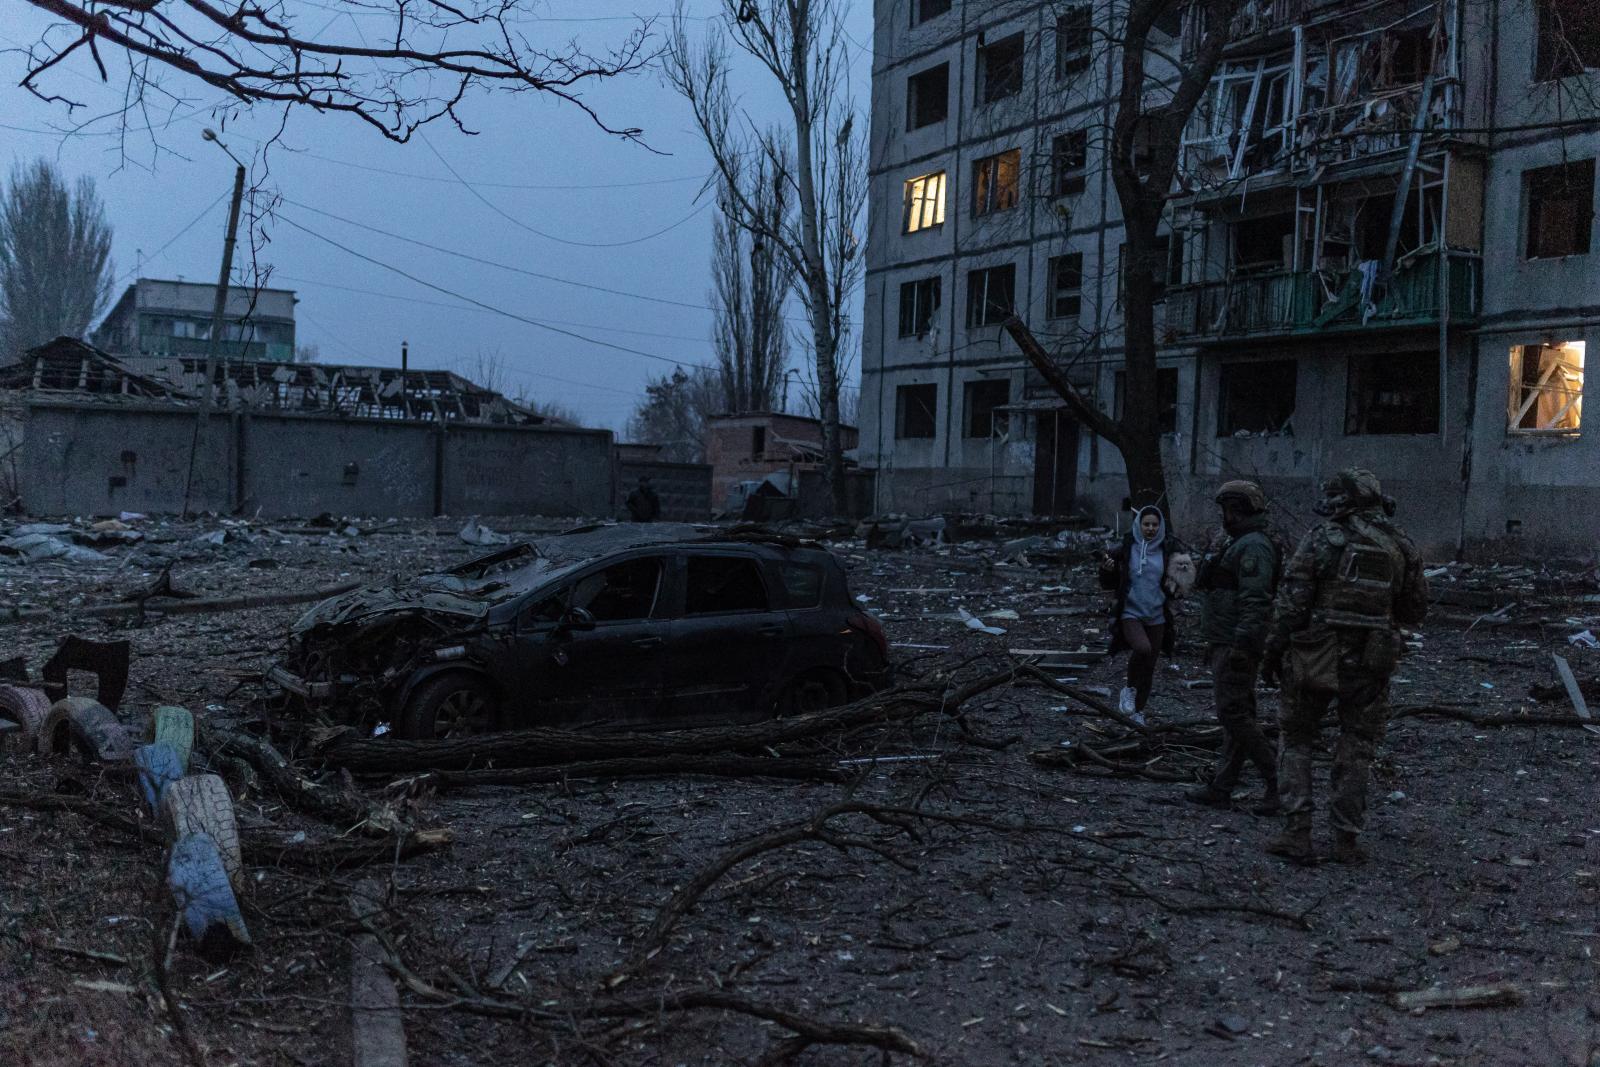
(219, 307)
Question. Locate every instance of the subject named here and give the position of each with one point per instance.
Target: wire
(479, 303)
(173, 240)
(492, 206)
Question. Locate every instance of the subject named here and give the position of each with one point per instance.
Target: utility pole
(219, 307)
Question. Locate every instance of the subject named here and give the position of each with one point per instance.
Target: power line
(479, 303)
(174, 239)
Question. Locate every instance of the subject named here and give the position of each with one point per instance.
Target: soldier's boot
(1347, 849)
(1294, 845)
(1269, 804)
(1210, 796)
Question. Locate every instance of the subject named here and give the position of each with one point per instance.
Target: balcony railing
(1286, 303)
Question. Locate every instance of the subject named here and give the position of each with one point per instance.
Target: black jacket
(1117, 582)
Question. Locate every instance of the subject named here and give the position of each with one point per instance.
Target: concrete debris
(475, 533)
(36, 547)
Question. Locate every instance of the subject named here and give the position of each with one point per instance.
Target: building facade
(1379, 253)
(154, 317)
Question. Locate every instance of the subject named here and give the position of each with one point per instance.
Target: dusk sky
(609, 215)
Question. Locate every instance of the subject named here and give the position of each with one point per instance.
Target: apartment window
(991, 295)
(1546, 388)
(1560, 209)
(995, 180)
(918, 301)
(1066, 286)
(1392, 393)
(923, 10)
(1069, 161)
(1000, 69)
(916, 409)
(1256, 398)
(1569, 39)
(983, 397)
(1074, 38)
(928, 97)
(925, 202)
(1166, 398)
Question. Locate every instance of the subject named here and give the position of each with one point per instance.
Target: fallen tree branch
(1446, 711)
(336, 805)
(790, 768)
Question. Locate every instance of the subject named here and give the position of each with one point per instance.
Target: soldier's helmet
(1351, 489)
(1249, 493)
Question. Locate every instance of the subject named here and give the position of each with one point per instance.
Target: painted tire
(88, 726)
(175, 727)
(27, 708)
(198, 878)
(158, 767)
(200, 804)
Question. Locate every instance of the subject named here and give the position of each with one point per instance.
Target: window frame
(996, 417)
(989, 193)
(920, 13)
(1361, 368)
(978, 316)
(1073, 180)
(1165, 376)
(1533, 211)
(1521, 397)
(754, 563)
(1015, 72)
(918, 201)
(914, 98)
(1225, 426)
(933, 286)
(663, 566)
(1055, 293)
(1071, 62)
(903, 400)
(1556, 64)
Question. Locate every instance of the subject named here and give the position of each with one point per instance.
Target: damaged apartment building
(1379, 252)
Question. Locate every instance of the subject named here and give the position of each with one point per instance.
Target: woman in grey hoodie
(1147, 572)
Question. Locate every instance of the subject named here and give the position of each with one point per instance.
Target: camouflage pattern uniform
(1354, 580)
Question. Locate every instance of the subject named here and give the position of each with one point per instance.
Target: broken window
(758, 441)
(1000, 69)
(802, 584)
(1546, 388)
(622, 592)
(1560, 209)
(995, 181)
(1074, 37)
(1066, 286)
(991, 295)
(923, 10)
(1069, 160)
(1166, 398)
(1265, 243)
(928, 97)
(915, 411)
(720, 585)
(925, 202)
(1256, 398)
(1392, 393)
(918, 301)
(983, 397)
(1569, 39)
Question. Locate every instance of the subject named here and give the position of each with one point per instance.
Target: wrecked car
(662, 624)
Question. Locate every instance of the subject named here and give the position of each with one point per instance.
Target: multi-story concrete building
(167, 318)
(1379, 254)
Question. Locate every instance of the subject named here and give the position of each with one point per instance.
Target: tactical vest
(1360, 592)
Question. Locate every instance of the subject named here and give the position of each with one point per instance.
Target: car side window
(802, 584)
(545, 612)
(718, 585)
(621, 592)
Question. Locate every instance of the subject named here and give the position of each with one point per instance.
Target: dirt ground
(989, 904)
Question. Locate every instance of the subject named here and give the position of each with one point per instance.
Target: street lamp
(219, 306)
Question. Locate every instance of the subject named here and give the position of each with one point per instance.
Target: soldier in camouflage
(1236, 583)
(1353, 581)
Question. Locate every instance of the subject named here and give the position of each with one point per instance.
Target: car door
(613, 672)
(729, 641)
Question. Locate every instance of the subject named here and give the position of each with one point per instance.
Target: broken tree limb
(1499, 995)
(13, 615)
(545, 747)
(336, 805)
(1448, 711)
(789, 768)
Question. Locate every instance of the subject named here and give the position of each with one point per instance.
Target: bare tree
(55, 258)
(750, 283)
(1156, 96)
(673, 413)
(419, 64)
(817, 157)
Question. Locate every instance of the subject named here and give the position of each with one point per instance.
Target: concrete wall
(684, 488)
(96, 460)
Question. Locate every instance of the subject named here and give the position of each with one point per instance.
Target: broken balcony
(1306, 302)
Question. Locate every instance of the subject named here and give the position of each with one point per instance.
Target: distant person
(1146, 572)
(643, 503)
(1353, 582)
(1236, 582)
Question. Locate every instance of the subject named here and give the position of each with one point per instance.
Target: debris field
(983, 864)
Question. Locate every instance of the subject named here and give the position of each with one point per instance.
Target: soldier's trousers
(1363, 708)
(1235, 692)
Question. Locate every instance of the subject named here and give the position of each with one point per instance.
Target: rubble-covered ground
(984, 889)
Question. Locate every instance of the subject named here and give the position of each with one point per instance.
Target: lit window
(925, 202)
(1546, 388)
(995, 180)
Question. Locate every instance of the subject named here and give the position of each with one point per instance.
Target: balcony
(1313, 303)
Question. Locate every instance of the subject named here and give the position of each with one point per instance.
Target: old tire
(157, 766)
(201, 804)
(813, 691)
(87, 726)
(198, 877)
(27, 708)
(451, 705)
(175, 726)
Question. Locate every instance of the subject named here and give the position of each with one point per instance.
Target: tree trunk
(1140, 423)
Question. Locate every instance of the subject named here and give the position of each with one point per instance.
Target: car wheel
(451, 705)
(814, 691)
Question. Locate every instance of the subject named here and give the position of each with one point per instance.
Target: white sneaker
(1138, 718)
(1128, 704)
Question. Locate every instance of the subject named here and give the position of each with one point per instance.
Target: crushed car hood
(434, 594)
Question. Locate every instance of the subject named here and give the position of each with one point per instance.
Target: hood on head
(1138, 529)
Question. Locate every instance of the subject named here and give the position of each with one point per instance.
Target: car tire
(27, 708)
(201, 804)
(88, 726)
(812, 692)
(452, 705)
